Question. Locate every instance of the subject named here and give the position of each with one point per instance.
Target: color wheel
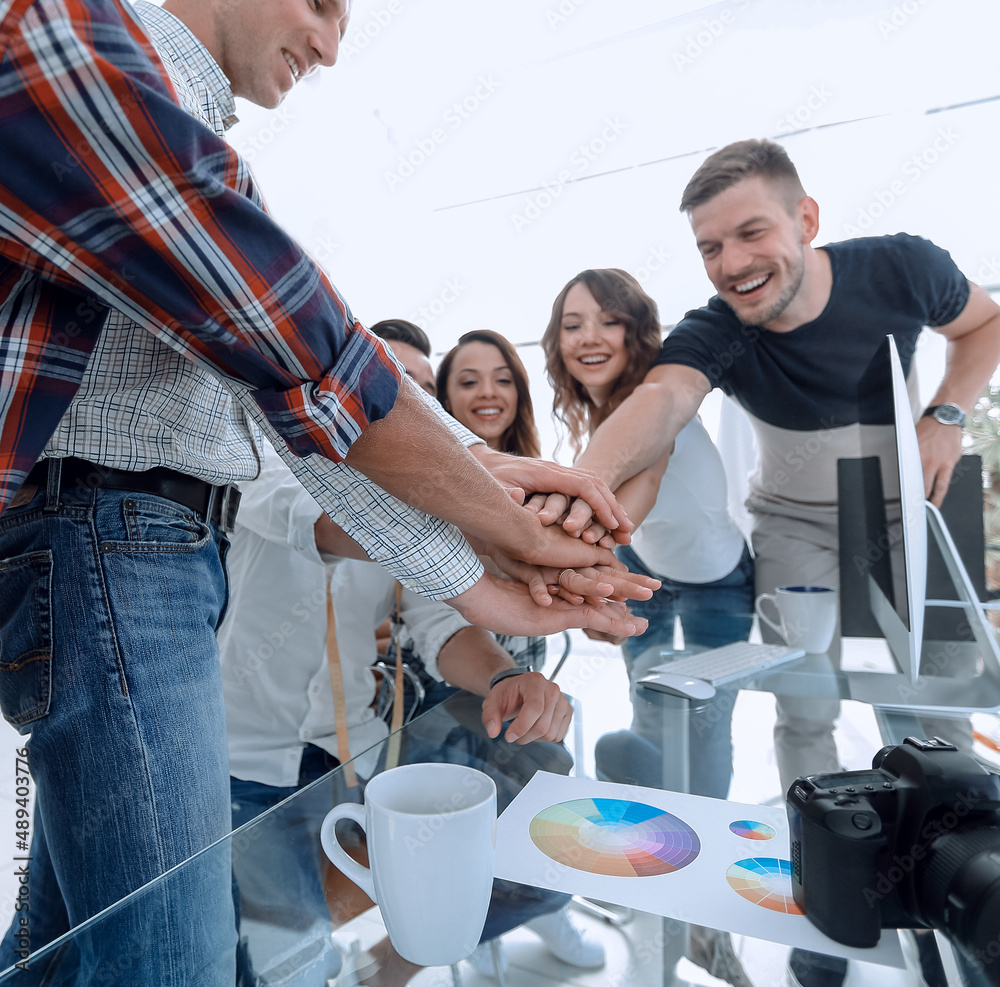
(765, 881)
(614, 837)
(750, 829)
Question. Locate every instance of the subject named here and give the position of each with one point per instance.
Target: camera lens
(959, 892)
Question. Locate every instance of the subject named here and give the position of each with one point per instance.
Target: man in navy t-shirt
(789, 335)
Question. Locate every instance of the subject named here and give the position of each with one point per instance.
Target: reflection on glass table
(301, 922)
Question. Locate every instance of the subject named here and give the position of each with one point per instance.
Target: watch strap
(506, 674)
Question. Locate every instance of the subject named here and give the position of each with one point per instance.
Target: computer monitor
(882, 508)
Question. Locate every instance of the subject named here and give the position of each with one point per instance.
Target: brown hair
(738, 162)
(401, 331)
(620, 295)
(521, 439)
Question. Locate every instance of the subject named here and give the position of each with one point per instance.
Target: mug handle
(358, 873)
(758, 606)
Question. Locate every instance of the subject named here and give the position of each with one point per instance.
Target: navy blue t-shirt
(808, 378)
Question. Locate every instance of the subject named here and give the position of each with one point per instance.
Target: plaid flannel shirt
(115, 198)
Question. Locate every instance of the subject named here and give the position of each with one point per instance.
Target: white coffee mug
(807, 616)
(431, 833)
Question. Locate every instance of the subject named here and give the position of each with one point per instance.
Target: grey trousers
(803, 550)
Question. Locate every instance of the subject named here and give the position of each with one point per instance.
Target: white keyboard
(730, 663)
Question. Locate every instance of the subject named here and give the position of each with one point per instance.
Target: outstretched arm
(507, 607)
(640, 432)
(410, 454)
(646, 423)
(637, 495)
(973, 353)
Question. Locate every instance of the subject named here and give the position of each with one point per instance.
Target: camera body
(913, 843)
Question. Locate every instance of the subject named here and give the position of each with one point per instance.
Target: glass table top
(300, 921)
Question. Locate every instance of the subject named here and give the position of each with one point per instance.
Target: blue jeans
(711, 614)
(109, 603)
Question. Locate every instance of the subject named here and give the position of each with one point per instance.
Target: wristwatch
(946, 414)
(506, 674)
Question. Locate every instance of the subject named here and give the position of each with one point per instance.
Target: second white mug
(807, 616)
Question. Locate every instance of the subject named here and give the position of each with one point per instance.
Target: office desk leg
(675, 941)
(676, 716)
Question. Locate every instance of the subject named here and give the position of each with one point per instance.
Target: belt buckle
(228, 500)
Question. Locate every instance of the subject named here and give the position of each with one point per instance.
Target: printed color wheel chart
(750, 829)
(614, 837)
(765, 881)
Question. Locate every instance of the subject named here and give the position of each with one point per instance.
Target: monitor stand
(956, 684)
(964, 674)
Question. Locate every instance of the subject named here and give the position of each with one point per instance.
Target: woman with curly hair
(601, 339)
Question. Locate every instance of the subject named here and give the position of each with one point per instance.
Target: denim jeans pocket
(159, 526)
(26, 637)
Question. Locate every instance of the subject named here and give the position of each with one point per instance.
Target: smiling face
(754, 246)
(591, 343)
(265, 46)
(481, 392)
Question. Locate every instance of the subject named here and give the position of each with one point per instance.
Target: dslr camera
(913, 843)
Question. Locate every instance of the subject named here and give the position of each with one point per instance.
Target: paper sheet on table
(685, 857)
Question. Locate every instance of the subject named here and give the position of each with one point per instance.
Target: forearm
(470, 658)
(410, 454)
(638, 494)
(970, 363)
(636, 435)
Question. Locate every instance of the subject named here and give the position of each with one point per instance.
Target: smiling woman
(483, 383)
(602, 336)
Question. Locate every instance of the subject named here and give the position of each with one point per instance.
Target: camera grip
(835, 853)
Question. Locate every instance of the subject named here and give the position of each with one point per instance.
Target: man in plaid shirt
(154, 323)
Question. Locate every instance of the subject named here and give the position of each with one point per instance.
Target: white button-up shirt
(272, 643)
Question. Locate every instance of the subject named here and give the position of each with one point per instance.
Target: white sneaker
(481, 959)
(566, 940)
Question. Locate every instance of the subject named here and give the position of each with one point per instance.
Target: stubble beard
(782, 302)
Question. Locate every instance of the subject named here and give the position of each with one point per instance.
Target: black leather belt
(211, 503)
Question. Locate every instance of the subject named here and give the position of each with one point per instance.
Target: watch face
(949, 414)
